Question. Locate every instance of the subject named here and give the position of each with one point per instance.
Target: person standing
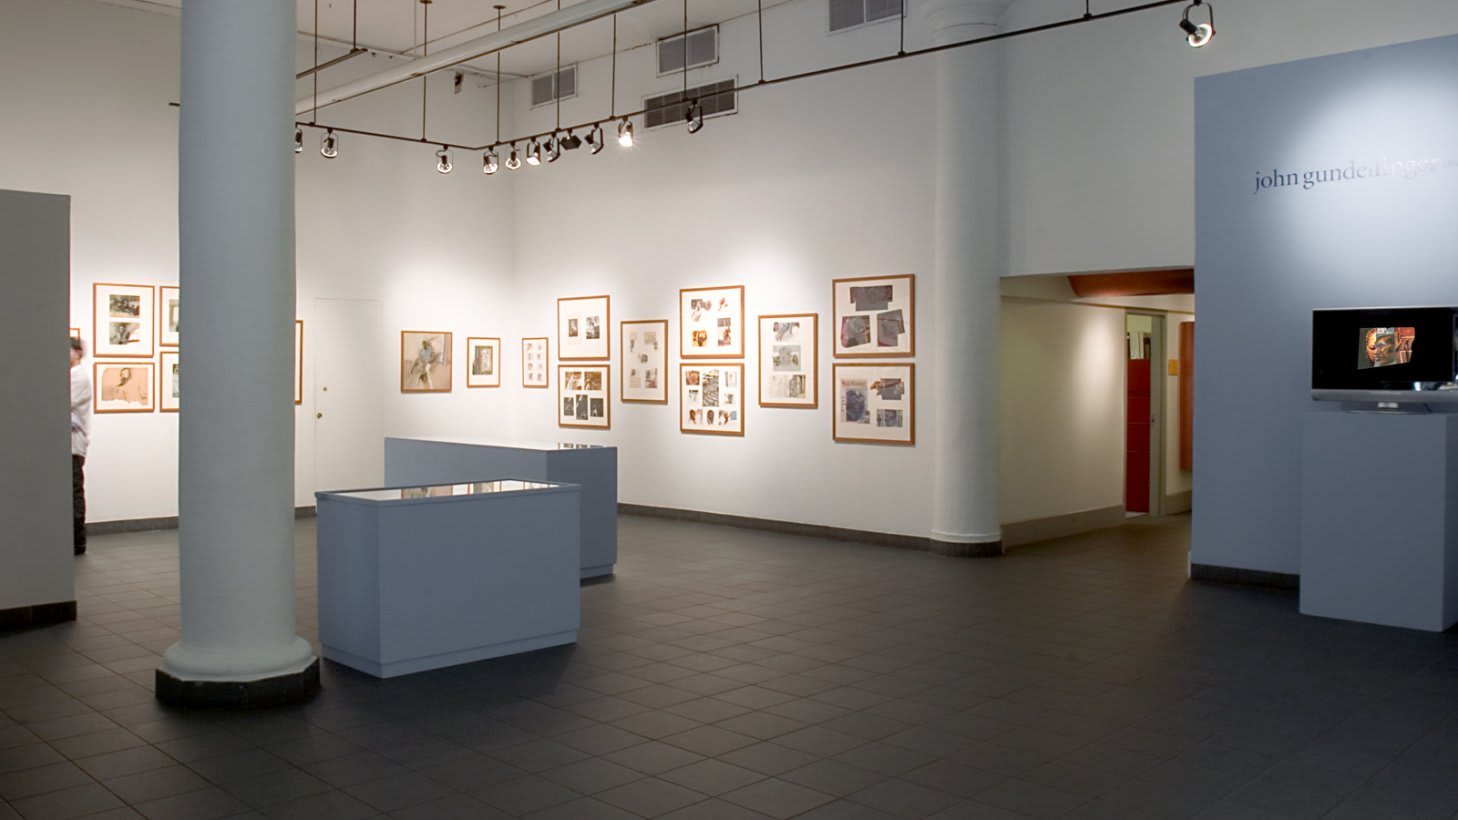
(80, 439)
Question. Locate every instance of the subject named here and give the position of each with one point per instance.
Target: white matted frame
(122, 319)
(169, 315)
(874, 403)
(711, 322)
(711, 398)
(582, 328)
(534, 362)
(168, 395)
(875, 316)
(645, 361)
(123, 387)
(584, 393)
(789, 360)
(483, 361)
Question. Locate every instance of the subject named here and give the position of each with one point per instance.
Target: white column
(236, 470)
(969, 261)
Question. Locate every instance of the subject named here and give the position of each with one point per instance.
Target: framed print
(168, 394)
(168, 301)
(298, 361)
(875, 403)
(582, 396)
(711, 323)
(483, 361)
(534, 361)
(122, 319)
(875, 316)
(711, 399)
(582, 328)
(123, 387)
(645, 356)
(425, 361)
(76, 333)
(789, 366)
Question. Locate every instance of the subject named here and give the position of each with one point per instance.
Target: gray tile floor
(732, 674)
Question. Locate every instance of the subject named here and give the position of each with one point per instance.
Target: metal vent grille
(668, 109)
(703, 49)
(846, 14)
(545, 87)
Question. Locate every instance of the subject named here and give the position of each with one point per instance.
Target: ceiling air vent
(715, 99)
(846, 14)
(554, 86)
(703, 49)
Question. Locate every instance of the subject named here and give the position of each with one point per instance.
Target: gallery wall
(1268, 257)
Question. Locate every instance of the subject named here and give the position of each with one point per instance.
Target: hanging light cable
(625, 127)
(488, 162)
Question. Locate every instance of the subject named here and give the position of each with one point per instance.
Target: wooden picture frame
(122, 319)
(169, 301)
(483, 361)
(863, 398)
(711, 322)
(425, 361)
(875, 317)
(584, 396)
(123, 387)
(76, 333)
(697, 413)
(536, 364)
(583, 328)
(168, 395)
(645, 361)
(298, 362)
(789, 360)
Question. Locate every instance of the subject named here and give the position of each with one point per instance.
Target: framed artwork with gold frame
(711, 398)
(169, 304)
(535, 364)
(875, 316)
(168, 384)
(583, 323)
(122, 319)
(123, 387)
(483, 361)
(645, 361)
(425, 361)
(711, 322)
(584, 396)
(789, 366)
(874, 403)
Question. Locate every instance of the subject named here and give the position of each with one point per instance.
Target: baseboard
(37, 614)
(166, 522)
(1176, 503)
(880, 539)
(1248, 577)
(1059, 526)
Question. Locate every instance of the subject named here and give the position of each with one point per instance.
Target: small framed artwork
(76, 333)
(483, 361)
(123, 387)
(875, 403)
(582, 396)
(168, 383)
(711, 322)
(298, 362)
(168, 301)
(875, 316)
(582, 328)
(789, 366)
(122, 320)
(534, 361)
(645, 356)
(425, 361)
(711, 399)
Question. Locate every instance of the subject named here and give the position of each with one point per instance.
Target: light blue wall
(1265, 260)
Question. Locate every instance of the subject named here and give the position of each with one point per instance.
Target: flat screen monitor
(1390, 354)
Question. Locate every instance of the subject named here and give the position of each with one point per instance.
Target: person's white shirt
(80, 409)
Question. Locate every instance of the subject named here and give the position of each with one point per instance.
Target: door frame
(1158, 402)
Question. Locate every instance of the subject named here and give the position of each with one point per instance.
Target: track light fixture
(694, 116)
(595, 138)
(1198, 34)
(329, 146)
(298, 140)
(513, 162)
(571, 142)
(443, 161)
(553, 148)
(534, 154)
(488, 162)
(625, 133)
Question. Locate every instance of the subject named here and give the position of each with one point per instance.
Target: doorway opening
(1143, 413)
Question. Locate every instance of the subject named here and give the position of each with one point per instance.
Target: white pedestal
(1379, 518)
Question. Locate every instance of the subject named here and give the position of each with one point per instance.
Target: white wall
(1176, 480)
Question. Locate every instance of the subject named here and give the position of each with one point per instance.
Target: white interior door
(349, 439)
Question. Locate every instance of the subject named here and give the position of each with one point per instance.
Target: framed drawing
(534, 361)
(168, 395)
(168, 301)
(789, 367)
(645, 356)
(122, 319)
(582, 396)
(711, 399)
(582, 328)
(76, 333)
(875, 403)
(123, 387)
(711, 322)
(298, 361)
(425, 361)
(483, 361)
(875, 316)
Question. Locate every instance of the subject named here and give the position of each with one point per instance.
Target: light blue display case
(421, 577)
(594, 468)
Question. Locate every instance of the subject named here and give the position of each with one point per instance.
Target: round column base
(960, 549)
(293, 687)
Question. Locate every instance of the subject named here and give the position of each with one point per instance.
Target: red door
(1136, 437)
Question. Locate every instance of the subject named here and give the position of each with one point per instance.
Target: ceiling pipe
(543, 26)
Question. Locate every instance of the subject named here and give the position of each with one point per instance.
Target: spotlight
(625, 133)
(329, 146)
(298, 140)
(571, 142)
(534, 154)
(443, 161)
(1203, 33)
(595, 138)
(488, 163)
(694, 116)
(513, 162)
(553, 148)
